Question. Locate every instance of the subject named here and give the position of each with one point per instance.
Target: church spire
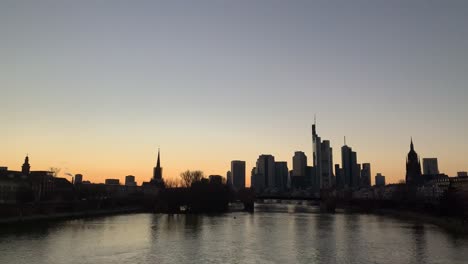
(26, 167)
(157, 171)
(413, 167)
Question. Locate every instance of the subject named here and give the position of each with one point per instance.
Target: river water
(275, 233)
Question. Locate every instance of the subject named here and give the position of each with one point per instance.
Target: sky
(95, 87)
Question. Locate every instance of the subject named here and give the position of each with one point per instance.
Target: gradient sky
(94, 87)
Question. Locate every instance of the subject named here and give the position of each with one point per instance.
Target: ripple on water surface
(275, 233)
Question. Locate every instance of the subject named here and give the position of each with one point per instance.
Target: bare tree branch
(189, 177)
(172, 183)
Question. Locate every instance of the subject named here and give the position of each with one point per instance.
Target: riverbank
(70, 215)
(450, 224)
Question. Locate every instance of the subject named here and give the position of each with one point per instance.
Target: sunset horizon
(245, 131)
(142, 173)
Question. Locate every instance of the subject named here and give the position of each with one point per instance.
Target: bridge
(327, 199)
(286, 197)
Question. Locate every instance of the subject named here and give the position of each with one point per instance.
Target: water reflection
(275, 233)
(419, 238)
(326, 234)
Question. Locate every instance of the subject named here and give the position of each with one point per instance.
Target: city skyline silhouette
(157, 170)
(94, 88)
(242, 131)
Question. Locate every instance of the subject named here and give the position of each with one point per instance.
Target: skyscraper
(413, 167)
(238, 174)
(327, 178)
(340, 181)
(430, 166)
(281, 175)
(299, 164)
(78, 178)
(257, 180)
(157, 171)
(379, 180)
(350, 167)
(229, 178)
(266, 169)
(299, 170)
(130, 180)
(366, 175)
(322, 159)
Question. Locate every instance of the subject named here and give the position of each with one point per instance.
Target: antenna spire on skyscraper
(158, 162)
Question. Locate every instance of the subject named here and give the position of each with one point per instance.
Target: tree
(172, 183)
(189, 177)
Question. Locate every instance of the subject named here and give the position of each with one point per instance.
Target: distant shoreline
(453, 225)
(450, 224)
(70, 215)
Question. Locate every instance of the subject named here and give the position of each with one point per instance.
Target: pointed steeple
(26, 167)
(157, 171)
(413, 167)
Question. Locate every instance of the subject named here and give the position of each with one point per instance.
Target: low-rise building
(216, 179)
(112, 182)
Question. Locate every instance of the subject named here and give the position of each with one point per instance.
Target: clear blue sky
(96, 86)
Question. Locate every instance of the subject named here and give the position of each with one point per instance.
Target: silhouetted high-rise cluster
(271, 176)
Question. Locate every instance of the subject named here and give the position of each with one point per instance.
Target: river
(275, 233)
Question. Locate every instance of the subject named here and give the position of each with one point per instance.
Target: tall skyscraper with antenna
(322, 160)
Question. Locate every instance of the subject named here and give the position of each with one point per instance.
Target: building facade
(265, 170)
(78, 179)
(238, 174)
(281, 175)
(229, 178)
(299, 161)
(366, 175)
(340, 181)
(379, 180)
(326, 176)
(430, 166)
(130, 180)
(322, 160)
(350, 168)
